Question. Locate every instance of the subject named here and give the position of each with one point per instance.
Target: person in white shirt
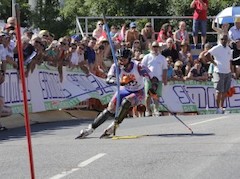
(222, 54)
(158, 65)
(234, 32)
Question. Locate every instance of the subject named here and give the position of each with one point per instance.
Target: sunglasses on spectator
(38, 42)
(148, 26)
(122, 59)
(43, 45)
(224, 38)
(137, 42)
(45, 35)
(62, 43)
(82, 48)
(100, 24)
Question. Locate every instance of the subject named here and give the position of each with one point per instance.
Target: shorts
(222, 82)
(135, 97)
(197, 24)
(148, 85)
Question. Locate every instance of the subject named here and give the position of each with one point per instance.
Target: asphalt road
(164, 149)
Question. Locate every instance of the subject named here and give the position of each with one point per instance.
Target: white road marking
(209, 120)
(80, 165)
(86, 162)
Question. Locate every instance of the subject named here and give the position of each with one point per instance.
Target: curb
(17, 120)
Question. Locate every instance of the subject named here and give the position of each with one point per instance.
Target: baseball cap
(133, 24)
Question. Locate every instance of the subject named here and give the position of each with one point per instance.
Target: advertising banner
(46, 92)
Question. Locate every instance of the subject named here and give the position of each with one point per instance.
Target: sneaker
(148, 113)
(85, 132)
(156, 113)
(219, 111)
(110, 130)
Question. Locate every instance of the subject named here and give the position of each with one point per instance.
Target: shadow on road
(180, 134)
(20, 132)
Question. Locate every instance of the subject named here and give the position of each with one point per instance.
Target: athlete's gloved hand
(153, 90)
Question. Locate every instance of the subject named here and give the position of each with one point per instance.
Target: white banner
(180, 96)
(46, 92)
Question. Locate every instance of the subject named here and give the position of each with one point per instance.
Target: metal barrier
(152, 19)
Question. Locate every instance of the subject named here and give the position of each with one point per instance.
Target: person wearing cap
(132, 34)
(234, 32)
(222, 54)
(157, 64)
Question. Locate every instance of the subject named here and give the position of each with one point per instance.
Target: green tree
(6, 11)
(47, 16)
(75, 8)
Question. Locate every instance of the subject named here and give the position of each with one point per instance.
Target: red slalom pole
(22, 75)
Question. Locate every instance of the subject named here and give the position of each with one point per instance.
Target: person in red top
(199, 20)
(165, 33)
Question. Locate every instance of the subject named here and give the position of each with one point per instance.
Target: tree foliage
(6, 10)
(50, 15)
